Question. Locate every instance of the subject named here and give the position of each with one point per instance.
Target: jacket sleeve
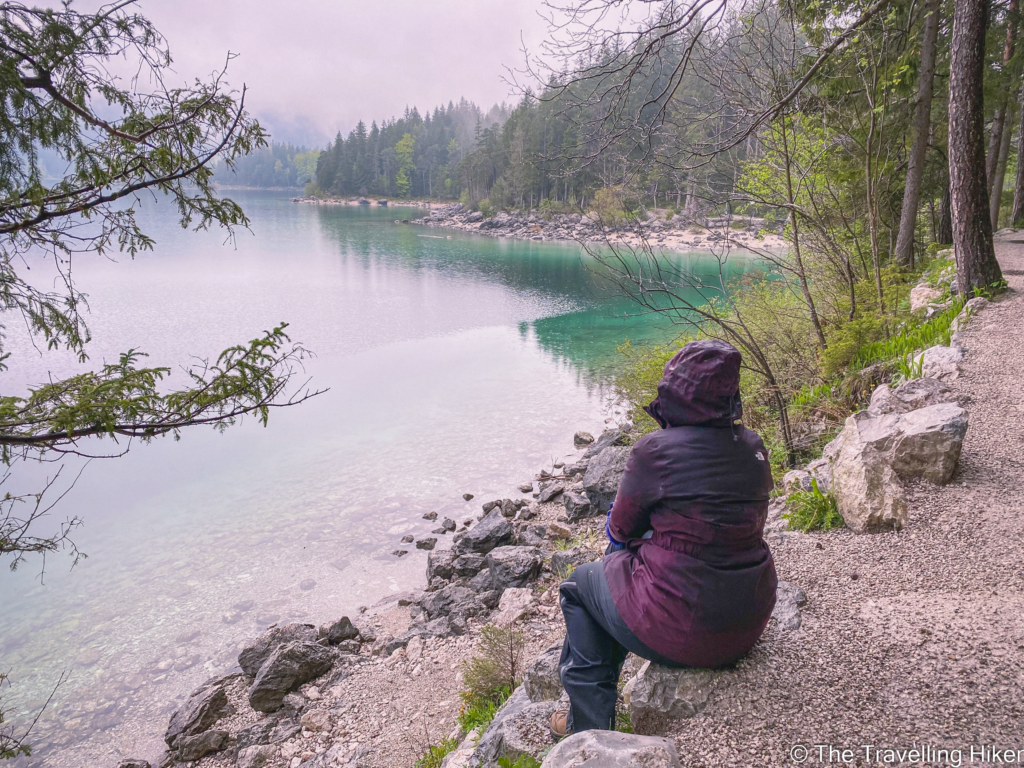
(638, 491)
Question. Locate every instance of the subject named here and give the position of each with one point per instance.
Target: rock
(481, 582)
(549, 491)
(922, 295)
(194, 747)
(201, 712)
(971, 308)
(577, 506)
(427, 543)
(252, 657)
(469, 565)
(287, 668)
(659, 694)
(515, 603)
(493, 531)
(443, 626)
(564, 561)
(519, 728)
(307, 585)
(604, 472)
(611, 749)
(489, 505)
(928, 442)
(542, 680)
(558, 531)
(920, 393)
(789, 599)
(453, 599)
(608, 438)
(400, 552)
(508, 508)
(582, 439)
(414, 648)
(340, 630)
(407, 539)
(526, 488)
(530, 535)
(431, 516)
(942, 363)
(440, 564)
(256, 757)
(800, 479)
(868, 491)
(134, 762)
(528, 512)
(514, 566)
(467, 496)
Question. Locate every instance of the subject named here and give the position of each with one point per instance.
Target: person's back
(694, 583)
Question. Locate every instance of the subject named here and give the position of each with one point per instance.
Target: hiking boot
(560, 724)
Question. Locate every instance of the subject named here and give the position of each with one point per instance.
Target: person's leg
(590, 663)
(592, 589)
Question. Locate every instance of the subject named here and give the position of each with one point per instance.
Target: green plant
(523, 761)
(909, 368)
(911, 338)
(812, 510)
(486, 208)
(478, 712)
(623, 721)
(498, 665)
(436, 754)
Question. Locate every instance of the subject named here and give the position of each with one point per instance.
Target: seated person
(694, 583)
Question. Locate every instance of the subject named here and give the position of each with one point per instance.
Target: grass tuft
(812, 510)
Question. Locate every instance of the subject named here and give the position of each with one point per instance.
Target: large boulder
(928, 442)
(252, 657)
(867, 489)
(519, 728)
(941, 363)
(200, 713)
(909, 396)
(922, 295)
(287, 668)
(514, 566)
(659, 694)
(493, 531)
(515, 603)
(604, 472)
(611, 749)
(543, 681)
(469, 565)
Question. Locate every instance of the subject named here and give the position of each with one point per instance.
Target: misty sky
(314, 67)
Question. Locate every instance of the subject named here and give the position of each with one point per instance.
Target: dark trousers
(596, 643)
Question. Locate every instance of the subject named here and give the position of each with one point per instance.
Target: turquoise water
(452, 365)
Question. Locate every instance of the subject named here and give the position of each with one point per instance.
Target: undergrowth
(812, 510)
(523, 761)
(436, 754)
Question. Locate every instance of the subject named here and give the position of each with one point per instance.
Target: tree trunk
(1003, 104)
(922, 120)
(944, 234)
(995, 203)
(972, 228)
(1017, 217)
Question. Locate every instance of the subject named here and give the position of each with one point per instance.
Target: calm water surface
(454, 365)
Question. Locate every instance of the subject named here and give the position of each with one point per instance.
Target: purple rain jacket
(700, 591)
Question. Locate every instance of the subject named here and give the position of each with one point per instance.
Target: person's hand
(608, 528)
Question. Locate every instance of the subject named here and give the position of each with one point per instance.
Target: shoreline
(677, 234)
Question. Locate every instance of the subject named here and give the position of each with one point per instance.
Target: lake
(452, 365)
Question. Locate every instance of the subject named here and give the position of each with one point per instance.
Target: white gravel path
(915, 638)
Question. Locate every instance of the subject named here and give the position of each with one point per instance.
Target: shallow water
(451, 365)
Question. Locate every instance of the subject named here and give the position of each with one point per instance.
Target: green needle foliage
(60, 97)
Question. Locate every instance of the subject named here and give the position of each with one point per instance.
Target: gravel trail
(911, 638)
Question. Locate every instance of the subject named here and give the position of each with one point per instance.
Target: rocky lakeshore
(659, 230)
(898, 631)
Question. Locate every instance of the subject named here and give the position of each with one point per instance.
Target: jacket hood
(701, 385)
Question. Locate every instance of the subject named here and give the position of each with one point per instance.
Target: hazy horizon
(322, 66)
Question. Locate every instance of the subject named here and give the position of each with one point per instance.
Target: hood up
(701, 386)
